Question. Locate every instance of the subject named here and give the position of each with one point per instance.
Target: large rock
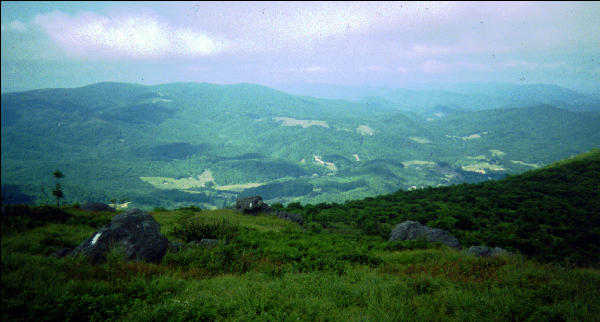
(412, 230)
(293, 217)
(252, 205)
(97, 206)
(136, 230)
(484, 251)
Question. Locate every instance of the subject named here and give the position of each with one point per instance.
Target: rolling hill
(177, 144)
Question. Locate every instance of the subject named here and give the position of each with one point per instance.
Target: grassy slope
(550, 214)
(273, 270)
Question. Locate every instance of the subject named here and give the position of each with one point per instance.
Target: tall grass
(283, 274)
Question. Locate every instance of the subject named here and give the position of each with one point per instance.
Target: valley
(178, 144)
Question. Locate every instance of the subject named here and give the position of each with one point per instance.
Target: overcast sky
(392, 44)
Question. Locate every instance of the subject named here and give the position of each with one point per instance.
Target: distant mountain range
(465, 96)
(190, 143)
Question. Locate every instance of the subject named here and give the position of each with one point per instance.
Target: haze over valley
(177, 144)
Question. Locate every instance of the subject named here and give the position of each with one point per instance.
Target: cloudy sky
(392, 44)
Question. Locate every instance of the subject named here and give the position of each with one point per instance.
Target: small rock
(252, 205)
(412, 230)
(293, 217)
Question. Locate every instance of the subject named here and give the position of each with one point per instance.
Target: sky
(389, 44)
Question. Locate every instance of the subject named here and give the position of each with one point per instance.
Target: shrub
(22, 217)
(420, 243)
(197, 228)
(315, 227)
(192, 208)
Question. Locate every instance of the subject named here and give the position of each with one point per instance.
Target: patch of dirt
(419, 140)
(365, 130)
(287, 121)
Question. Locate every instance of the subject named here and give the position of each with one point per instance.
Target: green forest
(181, 144)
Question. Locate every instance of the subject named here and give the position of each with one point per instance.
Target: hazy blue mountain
(182, 143)
(462, 96)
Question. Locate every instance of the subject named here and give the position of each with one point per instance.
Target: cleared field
(365, 130)
(497, 153)
(287, 121)
(478, 157)
(481, 167)
(418, 163)
(419, 139)
(181, 184)
(533, 165)
(329, 165)
(467, 137)
(185, 184)
(239, 187)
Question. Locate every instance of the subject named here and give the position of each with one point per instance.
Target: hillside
(178, 144)
(331, 268)
(549, 214)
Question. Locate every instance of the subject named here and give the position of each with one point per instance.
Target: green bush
(420, 243)
(196, 228)
(192, 208)
(25, 217)
(315, 227)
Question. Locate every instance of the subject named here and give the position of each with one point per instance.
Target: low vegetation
(280, 272)
(338, 266)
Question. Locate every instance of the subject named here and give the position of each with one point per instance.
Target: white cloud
(306, 69)
(372, 68)
(143, 36)
(16, 25)
(518, 64)
(439, 67)
(402, 70)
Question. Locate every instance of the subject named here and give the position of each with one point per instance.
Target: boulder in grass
(252, 205)
(484, 251)
(412, 230)
(135, 230)
(293, 217)
(97, 206)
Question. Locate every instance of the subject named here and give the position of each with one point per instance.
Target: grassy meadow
(269, 269)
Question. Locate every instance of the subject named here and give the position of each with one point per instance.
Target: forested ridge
(118, 140)
(549, 214)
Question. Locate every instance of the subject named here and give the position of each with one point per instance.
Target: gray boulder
(484, 251)
(412, 230)
(97, 206)
(252, 205)
(135, 230)
(293, 217)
